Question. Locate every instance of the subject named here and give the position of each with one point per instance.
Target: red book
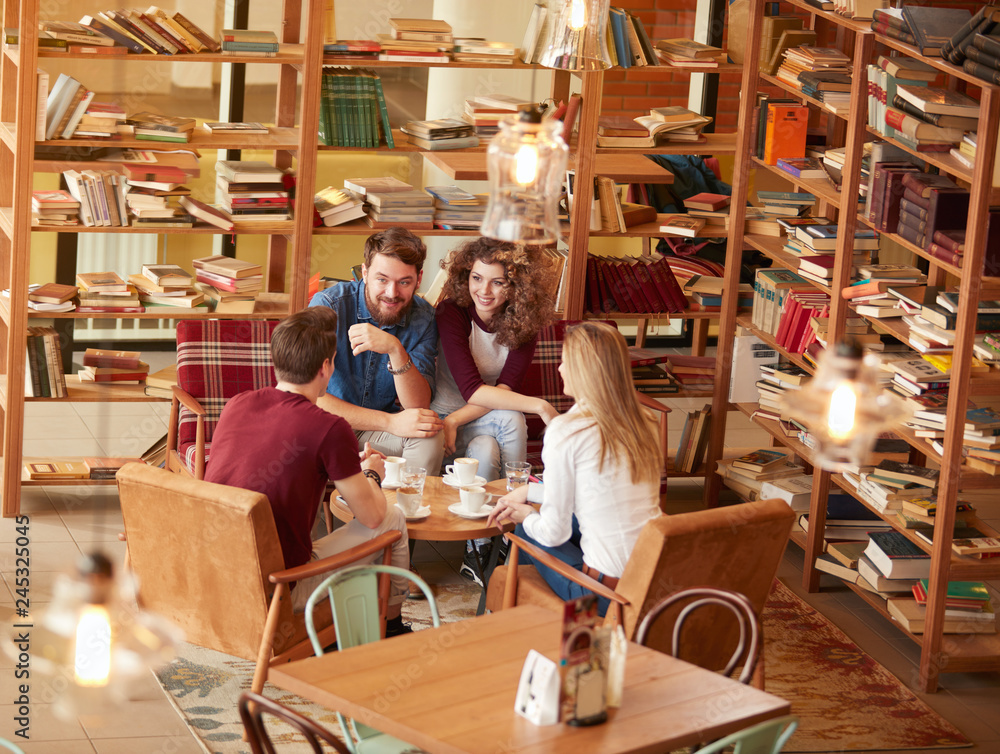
(101, 357)
(640, 301)
(158, 173)
(118, 377)
(809, 335)
(945, 255)
(707, 201)
(606, 299)
(615, 285)
(952, 239)
(669, 287)
(572, 111)
(788, 313)
(593, 289)
(649, 289)
(111, 309)
(891, 198)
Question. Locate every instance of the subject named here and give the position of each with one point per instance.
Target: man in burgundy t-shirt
(278, 441)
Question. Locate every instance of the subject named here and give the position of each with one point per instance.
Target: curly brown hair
(529, 273)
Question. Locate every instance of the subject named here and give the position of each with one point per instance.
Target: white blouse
(611, 509)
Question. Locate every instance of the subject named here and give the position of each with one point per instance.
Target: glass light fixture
(843, 406)
(525, 163)
(92, 642)
(576, 37)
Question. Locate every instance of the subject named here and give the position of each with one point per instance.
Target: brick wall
(633, 91)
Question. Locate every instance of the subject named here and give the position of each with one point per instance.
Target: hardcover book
(896, 556)
(760, 460)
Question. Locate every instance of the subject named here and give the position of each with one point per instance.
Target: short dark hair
(302, 342)
(399, 243)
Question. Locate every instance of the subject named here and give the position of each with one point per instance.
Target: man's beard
(382, 317)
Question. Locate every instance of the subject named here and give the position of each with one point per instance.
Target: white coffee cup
(473, 498)
(464, 470)
(393, 469)
(409, 499)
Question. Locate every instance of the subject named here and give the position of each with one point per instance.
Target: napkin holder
(538, 690)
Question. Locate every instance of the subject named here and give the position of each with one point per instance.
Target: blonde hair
(600, 373)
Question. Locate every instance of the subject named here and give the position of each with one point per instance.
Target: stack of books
(408, 209)
(65, 105)
(54, 208)
(377, 185)
(457, 209)
(916, 376)
(338, 206)
(930, 119)
(479, 50)
(443, 133)
(968, 608)
(416, 40)
(76, 36)
(352, 109)
(101, 195)
(152, 193)
(101, 120)
(154, 127)
(484, 112)
(106, 292)
(44, 376)
(225, 279)
(822, 73)
(747, 474)
(351, 50)
(246, 42)
(120, 367)
(706, 291)
(687, 53)
(166, 285)
(883, 287)
(662, 125)
(51, 297)
(693, 372)
(251, 191)
(649, 374)
(883, 77)
(920, 513)
(786, 203)
(847, 519)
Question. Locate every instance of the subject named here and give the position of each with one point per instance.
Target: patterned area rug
(857, 705)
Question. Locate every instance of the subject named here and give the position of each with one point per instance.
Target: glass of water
(517, 473)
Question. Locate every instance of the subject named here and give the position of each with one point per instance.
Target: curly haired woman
(495, 301)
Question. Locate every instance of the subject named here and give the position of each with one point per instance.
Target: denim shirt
(364, 380)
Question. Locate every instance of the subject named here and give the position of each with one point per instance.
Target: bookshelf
(956, 653)
(292, 138)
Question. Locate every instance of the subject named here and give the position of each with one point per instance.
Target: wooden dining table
(451, 689)
(444, 526)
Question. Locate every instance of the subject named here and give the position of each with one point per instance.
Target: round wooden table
(444, 526)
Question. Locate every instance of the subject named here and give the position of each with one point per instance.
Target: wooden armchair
(736, 548)
(216, 359)
(544, 381)
(208, 558)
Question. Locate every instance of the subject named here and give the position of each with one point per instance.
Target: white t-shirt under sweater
(610, 508)
(490, 358)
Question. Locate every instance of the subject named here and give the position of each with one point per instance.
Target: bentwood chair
(764, 738)
(216, 360)
(252, 708)
(208, 558)
(354, 598)
(749, 643)
(737, 548)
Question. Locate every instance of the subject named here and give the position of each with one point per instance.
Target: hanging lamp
(525, 163)
(576, 37)
(843, 406)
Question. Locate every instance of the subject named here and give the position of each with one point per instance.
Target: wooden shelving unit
(959, 653)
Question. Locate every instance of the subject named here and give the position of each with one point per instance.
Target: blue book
(622, 49)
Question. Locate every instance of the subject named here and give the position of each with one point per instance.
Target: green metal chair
(764, 738)
(5, 744)
(354, 602)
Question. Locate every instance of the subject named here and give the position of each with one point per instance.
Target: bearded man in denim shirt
(383, 378)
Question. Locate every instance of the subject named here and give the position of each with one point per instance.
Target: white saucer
(459, 510)
(387, 485)
(422, 512)
(451, 481)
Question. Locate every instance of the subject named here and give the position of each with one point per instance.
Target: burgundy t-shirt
(287, 447)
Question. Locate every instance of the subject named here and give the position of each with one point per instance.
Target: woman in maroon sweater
(495, 301)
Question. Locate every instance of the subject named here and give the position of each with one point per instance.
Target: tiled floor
(68, 521)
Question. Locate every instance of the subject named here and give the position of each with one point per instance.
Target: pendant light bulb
(577, 14)
(526, 164)
(92, 652)
(843, 407)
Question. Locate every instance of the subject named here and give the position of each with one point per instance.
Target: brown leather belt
(609, 581)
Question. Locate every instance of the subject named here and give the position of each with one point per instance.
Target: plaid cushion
(216, 359)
